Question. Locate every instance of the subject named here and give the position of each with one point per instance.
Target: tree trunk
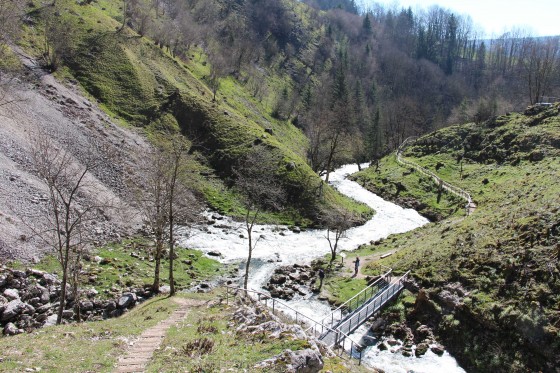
(63, 289)
(333, 255)
(246, 279)
(171, 250)
(155, 286)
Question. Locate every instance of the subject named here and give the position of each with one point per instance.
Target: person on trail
(321, 278)
(356, 266)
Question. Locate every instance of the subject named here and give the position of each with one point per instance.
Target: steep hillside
(118, 88)
(490, 281)
(39, 103)
(146, 86)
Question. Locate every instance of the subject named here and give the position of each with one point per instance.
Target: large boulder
(13, 309)
(51, 320)
(278, 279)
(86, 305)
(49, 279)
(421, 349)
(438, 349)
(126, 300)
(11, 329)
(11, 294)
(44, 308)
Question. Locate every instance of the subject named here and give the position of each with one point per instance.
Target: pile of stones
(30, 299)
(290, 281)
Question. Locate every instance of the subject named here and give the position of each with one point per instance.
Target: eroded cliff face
(38, 105)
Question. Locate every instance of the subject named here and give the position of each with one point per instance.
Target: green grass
(96, 346)
(140, 84)
(237, 351)
(121, 269)
(92, 346)
(416, 188)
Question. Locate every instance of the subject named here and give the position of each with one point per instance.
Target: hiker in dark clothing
(321, 278)
(356, 266)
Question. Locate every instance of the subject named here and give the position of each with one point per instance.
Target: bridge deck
(353, 320)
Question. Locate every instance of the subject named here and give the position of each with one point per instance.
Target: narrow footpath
(141, 352)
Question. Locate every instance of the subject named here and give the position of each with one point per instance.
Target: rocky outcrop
(302, 361)
(255, 319)
(290, 281)
(30, 299)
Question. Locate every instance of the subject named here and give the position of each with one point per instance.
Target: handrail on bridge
(340, 336)
(376, 303)
(348, 304)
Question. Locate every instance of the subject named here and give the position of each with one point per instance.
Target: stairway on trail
(141, 352)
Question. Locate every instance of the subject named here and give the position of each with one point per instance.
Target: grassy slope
(130, 264)
(93, 346)
(506, 255)
(143, 85)
(96, 346)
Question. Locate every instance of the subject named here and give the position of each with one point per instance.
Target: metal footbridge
(364, 305)
(334, 330)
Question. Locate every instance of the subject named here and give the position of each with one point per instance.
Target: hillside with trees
(337, 73)
(121, 118)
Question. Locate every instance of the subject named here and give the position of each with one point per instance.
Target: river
(279, 246)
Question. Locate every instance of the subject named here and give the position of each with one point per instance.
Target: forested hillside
(246, 104)
(356, 83)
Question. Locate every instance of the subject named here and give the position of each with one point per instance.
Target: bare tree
(338, 222)
(540, 61)
(58, 39)
(257, 178)
(164, 200)
(65, 224)
(10, 18)
(218, 69)
(183, 207)
(152, 200)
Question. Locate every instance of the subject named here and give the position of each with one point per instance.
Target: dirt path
(141, 352)
(364, 261)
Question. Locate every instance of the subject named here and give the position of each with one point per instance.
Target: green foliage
(504, 254)
(145, 85)
(130, 264)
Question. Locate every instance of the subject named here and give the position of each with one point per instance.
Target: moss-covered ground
(130, 264)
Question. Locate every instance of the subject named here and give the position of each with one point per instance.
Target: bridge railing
(314, 326)
(353, 322)
(359, 299)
